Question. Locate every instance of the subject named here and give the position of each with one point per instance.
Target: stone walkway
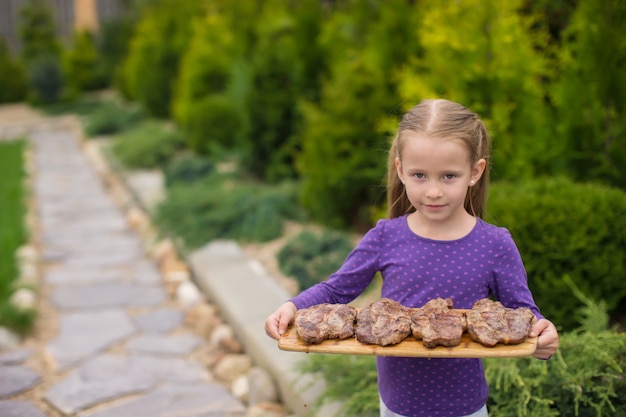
(118, 345)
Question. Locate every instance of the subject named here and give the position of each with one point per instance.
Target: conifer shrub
(225, 207)
(311, 257)
(187, 168)
(566, 228)
(46, 79)
(111, 118)
(149, 145)
(585, 378)
(13, 84)
(82, 64)
(211, 124)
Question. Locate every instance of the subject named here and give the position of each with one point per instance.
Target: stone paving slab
(108, 377)
(83, 334)
(157, 344)
(178, 401)
(159, 321)
(19, 408)
(106, 295)
(15, 357)
(15, 379)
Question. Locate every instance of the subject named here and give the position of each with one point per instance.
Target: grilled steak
(436, 324)
(384, 322)
(325, 321)
(489, 323)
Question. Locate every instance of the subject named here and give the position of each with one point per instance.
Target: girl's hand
(547, 340)
(276, 324)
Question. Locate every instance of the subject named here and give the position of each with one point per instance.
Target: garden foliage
(152, 65)
(148, 145)
(13, 83)
(566, 228)
(111, 117)
(82, 65)
(311, 257)
(223, 207)
(41, 52)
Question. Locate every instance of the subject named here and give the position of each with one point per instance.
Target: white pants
(385, 412)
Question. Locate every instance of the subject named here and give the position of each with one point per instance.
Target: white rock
(27, 254)
(262, 387)
(188, 295)
(240, 388)
(231, 366)
(177, 276)
(24, 298)
(219, 334)
(28, 273)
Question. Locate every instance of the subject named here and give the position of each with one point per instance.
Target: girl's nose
(433, 191)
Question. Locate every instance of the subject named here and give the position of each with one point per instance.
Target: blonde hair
(447, 120)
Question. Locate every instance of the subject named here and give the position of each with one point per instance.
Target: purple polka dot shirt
(485, 262)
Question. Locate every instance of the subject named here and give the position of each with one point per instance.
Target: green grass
(12, 231)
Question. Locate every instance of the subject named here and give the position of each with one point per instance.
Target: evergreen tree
(210, 98)
(484, 54)
(37, 31)
(13, 84)
(162, 35)
(344, 141)
(271, 99)
(591, 93)
(82, 64)
(41, 51)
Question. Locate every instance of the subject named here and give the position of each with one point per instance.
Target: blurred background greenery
(262, 112)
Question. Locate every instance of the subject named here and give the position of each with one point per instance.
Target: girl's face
(436, 174)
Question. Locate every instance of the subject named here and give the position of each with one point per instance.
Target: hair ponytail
(476, 197)
(398, 203)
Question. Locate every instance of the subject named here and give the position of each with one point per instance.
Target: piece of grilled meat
(490, 323)
(384, 322)
(325, 321)
(436, 324)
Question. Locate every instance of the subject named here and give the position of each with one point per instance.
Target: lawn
(12, 230)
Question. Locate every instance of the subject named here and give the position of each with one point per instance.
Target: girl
(434, 244)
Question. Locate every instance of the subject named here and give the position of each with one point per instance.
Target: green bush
(211, 124)
(311, 257)
(187, 168)
(585, 378)
(13, 85)
(160, 38)
(221, 208)
(111, 118)
(82, 65)
(46, 79)
(149, 145)
(350, 379)
(565, 228)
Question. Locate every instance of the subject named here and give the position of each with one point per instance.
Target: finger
(282, 326)
(538, 327)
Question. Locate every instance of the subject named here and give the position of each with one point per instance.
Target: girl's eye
(449, 176)
(419, 175)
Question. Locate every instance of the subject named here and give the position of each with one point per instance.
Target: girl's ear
(478, 169)
(399, 169)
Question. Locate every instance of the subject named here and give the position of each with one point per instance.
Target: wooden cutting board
(410, 347)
